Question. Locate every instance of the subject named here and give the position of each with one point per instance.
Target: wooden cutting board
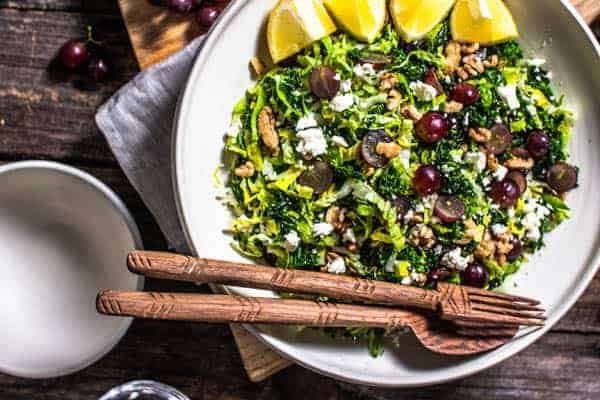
(155, 34)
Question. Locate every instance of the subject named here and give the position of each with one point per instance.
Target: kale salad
(407, 162)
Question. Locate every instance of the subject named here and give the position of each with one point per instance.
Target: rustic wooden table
(45, 116)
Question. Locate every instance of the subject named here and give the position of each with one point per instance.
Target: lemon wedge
(468, 22)
(363, 19)
(414, 19)
(294, 25)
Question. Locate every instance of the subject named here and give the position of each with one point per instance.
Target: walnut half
(266, 128)
(246, 170)
(480, 135)
(389, 150)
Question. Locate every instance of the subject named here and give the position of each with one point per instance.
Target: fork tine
(504, 296)
(504, 303)
(507, 311)
(506, 332)
(501, 319)
(481, 325)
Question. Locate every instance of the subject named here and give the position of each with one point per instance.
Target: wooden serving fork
(466, 306)
(435, 335)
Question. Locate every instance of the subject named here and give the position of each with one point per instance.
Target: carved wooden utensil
(465, 305)
(435, 335)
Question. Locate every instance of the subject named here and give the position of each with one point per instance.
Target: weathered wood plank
(200, 360)
(45, 112)
(88, 6)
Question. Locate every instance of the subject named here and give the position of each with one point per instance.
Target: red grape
(369, 146)
(324, 82)
(475, 275)
(318, 176)
(439, 274)
(427, 180)
(402, 206)
(449, 208)
(181, 6)
(562, 177)
(98, 69)
(519, 178)
(516, 251)
(500, 140)
(431, 79)
(432, 127)
(505, 193)
(207, 15)
(465, 93)
(538, 144)
(74, 54)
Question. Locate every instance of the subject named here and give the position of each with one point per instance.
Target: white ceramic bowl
(63, 237)
(557, 277)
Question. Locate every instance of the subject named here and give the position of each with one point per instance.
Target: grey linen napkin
(137, 123)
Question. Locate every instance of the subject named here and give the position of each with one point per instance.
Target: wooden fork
(435, 335)
(467, 306)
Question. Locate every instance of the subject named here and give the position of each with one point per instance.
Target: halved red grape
(439, 274)
(427, 180)
(475, 275)
(516, 251)
(538, 144)
(520, 152)
(378, 60)
(324, 82)
(402, 206)
(432, 127)
(562, 177)
(466, 94)
(369, 145)
(449, 208)
(431, 79)
(505, 193)
(318, 176)
(74, 54)
(500, 140)
(519, 178)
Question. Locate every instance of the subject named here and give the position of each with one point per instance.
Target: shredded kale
(510, 51)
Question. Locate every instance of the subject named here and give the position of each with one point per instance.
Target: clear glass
(144, 390)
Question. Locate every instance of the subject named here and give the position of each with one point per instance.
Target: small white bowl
(64, 236)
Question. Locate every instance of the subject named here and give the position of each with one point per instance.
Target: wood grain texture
(201, 359)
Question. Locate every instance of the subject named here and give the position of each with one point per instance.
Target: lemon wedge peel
(363, 19)
(414, 19)
(294, 25)
(470, 27)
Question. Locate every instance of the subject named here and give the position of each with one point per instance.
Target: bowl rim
(183, 108)
(122, 210)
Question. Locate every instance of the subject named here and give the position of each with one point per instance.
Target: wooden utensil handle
(589, 9)
(223, 309)
(184, 268)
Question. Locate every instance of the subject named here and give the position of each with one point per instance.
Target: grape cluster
(86, 56)
(206, 11)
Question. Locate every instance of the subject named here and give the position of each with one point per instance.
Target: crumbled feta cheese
(429, 201)
(340, 141)
(405, 158)
(292, 240)
(407, 280)
(534, 215)
(312, 142)
(307, 121)
(268, 170)
(423, 91)
(500, 173)
(477, 159)
(234, 127)
(336, 266)
(467, 119)
(437, 250)
(509, 94)
(498, 229)
(510, 212)
(453, 259)
(410, 214)
(342, 102)
(420, 208)
(486, 181)
(531, 109)
(535, 62)
(349, 236)
(322, 229)
(346, 86)
(447, 79)
(337, 77)
(364, 70)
